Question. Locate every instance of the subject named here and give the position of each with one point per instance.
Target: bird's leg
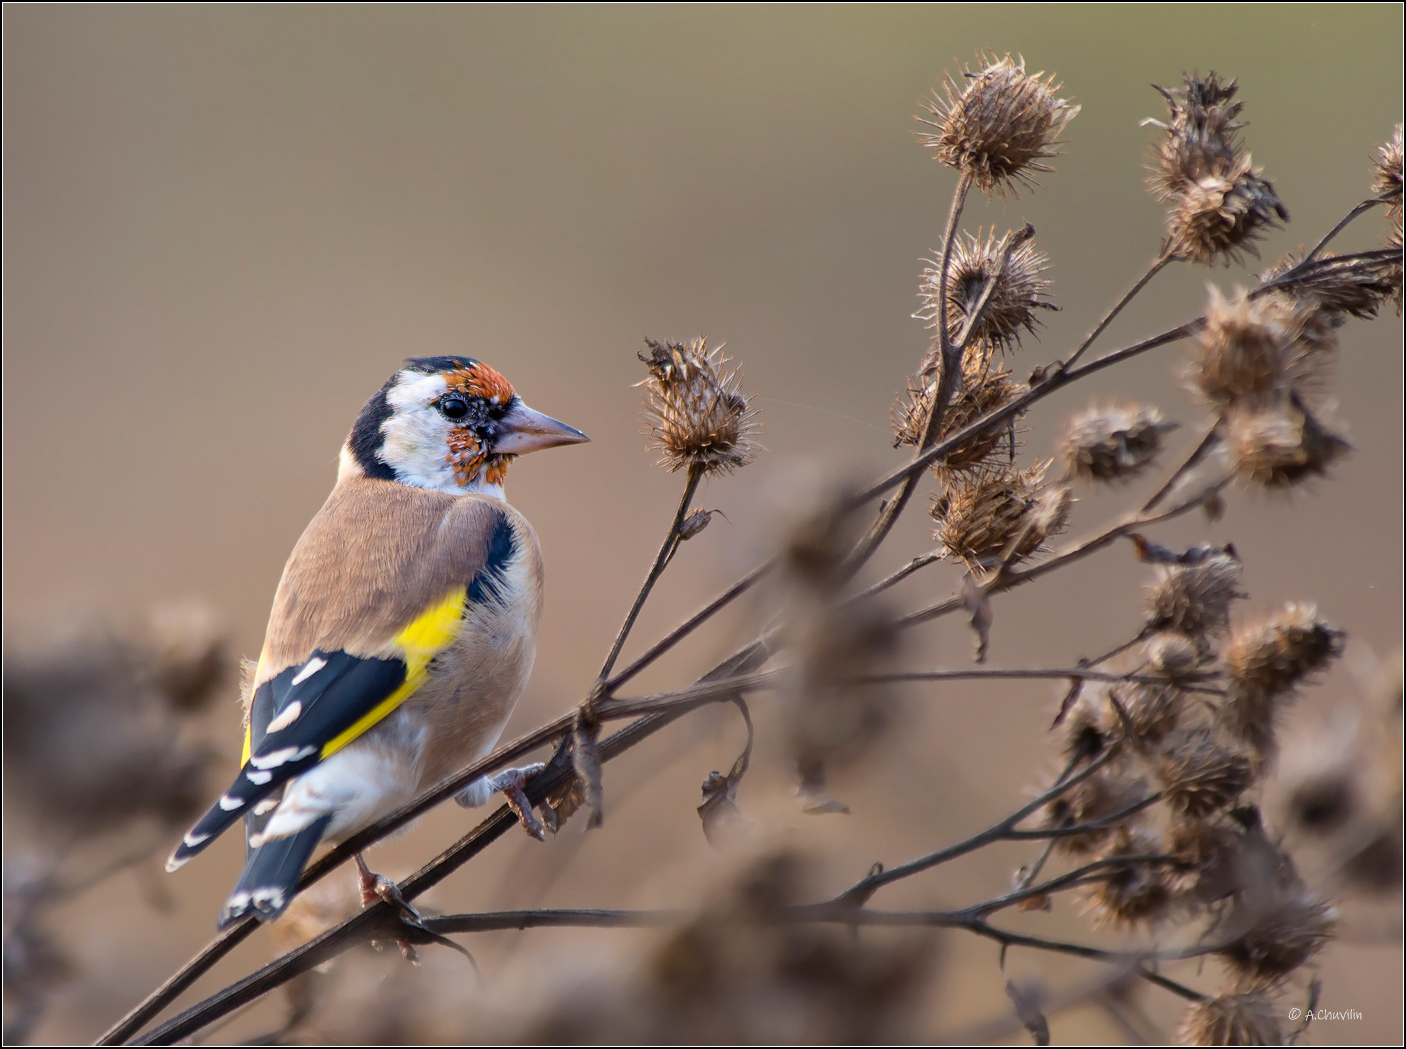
(376, 888)
(508, 783)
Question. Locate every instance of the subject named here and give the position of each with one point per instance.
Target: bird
(402, 631)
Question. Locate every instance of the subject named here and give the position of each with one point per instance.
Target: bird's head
(448, 423)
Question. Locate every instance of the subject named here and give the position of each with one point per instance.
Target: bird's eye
(454, 407)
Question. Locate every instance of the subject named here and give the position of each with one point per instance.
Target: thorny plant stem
(1365, 206)
(1158, 264)
(666, 550)
(752, 655)
(921, 561)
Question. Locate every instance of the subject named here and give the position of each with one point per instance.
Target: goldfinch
(402, 631)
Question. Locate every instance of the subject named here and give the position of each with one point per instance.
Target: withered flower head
(1200, 774)
(1281, 934)
(1209, 865)
(1171, 655)
(1341, 288)
(1102, 795)
(1151, 710)
(1114, 441)
(1134, 892)
(1257, 349)
(1019, 291)
(1232, 1019)
(1282, 447)
(1275, 656)
(1000, 126)
(1193, 600)
(1386, 174)
(982, 512)
(984, 389)
(1266, 662)
(1218, 204)
(695, 414)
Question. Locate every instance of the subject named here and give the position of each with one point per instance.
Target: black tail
(271, 875)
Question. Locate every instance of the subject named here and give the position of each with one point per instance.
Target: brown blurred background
(224, 227)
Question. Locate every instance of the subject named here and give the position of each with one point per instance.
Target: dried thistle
(1000, 126)
(1133, 892)
(1266, 662)
(1339, 287)
(1218, 203)
(983, 390)
(1208, 854)
(1172, 656)
(1098, 797)
(1151, 710)
(1011, 309)
(1193, 600)
(1200, 774)
(1280, 934)
(695, 414)
(1258, 349)
(1249, 1018)
(1114, 441)
(1386, 174)
(1282, 446)
(984, 511)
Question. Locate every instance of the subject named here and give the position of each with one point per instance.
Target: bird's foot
(509, 783)
(376, 888)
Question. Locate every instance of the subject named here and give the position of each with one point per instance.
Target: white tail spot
(290, 714)
(314, 664)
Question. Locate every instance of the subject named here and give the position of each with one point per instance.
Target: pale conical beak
(524, 430)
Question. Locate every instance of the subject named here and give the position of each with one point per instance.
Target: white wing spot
(258, 778)
(193, 839)
(230, 804)
(275, 758)
(294, 709)
(314, 664)
(267, 805)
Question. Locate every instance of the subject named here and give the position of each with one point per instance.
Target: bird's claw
(377, 888)
(509, 783)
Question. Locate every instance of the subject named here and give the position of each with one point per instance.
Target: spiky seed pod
(1000, 126)
(1102, 795)
(1200, 774)
(984, 389)
(1171, 656)
(1193, 600)
(1208, 854)
(1112, 442)
(1086, 725)
(1255, 350)
(1282, 447)
(983, 511)
(694, 413)
(1267, 662)
(1280, 935)
(1135, 892)
(1218, 203)
(1386, 173)
(1019, 291)
(1340, 287)
(1232, 1019)
(1152, 710)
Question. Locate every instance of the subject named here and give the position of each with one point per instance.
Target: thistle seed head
(1218, 204)
(1193, 600)
(999, 126)
(1200, 774)
(1256, 350)
(1112, 442)
(1249, 1018)
(1340, 288)
(1274, 657)
(1209, 859)
(1102, 795)
(1136, 892)
(1019, 291)
(984, 389)
(1171, 656)
(1151, 710)
(980, 513)
(1281, 935)
(1386, 173)
(1281, 447)
(694, 413)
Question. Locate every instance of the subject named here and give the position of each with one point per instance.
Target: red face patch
(480, 380)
